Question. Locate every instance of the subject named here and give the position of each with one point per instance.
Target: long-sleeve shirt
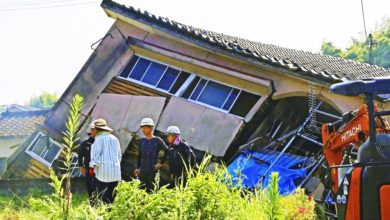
(179, 157)
(149, 154)
(106, 158)
(84, 152)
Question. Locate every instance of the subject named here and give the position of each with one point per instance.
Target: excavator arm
(353, 129)
(338, 137)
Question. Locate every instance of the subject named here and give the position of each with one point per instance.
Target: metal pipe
(382, 113)
(242, 147)
(277, 129)
(281, 138)
(328, 114)
(290, 142)
(310, 140)
(319, 162)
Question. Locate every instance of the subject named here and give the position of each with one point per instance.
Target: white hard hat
(173, 130)
(147, 122)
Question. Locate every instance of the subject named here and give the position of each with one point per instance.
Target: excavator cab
(364, 192)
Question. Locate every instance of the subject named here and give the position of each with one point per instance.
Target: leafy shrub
(298, 206)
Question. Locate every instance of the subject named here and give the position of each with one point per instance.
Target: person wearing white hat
(105, 162)
(148, 160)
(180, 155)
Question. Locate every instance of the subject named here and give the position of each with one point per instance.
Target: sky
(44, 43)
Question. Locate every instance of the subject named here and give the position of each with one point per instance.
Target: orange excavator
(361, 185)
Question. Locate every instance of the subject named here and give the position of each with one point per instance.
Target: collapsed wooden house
(222, 91)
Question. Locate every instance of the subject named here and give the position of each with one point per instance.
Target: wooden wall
(37, 170)
(122, 86)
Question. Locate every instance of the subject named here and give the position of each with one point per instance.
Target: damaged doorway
(287, 141)
(287, 114)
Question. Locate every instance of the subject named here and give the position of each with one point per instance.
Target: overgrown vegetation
(14, 207)
(207, 195)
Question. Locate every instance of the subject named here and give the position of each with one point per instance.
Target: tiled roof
(14, 124)
(309, 65)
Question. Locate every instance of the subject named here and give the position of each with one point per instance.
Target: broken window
(224, 97)
(155, 74)
(44, 149)
(244, 103)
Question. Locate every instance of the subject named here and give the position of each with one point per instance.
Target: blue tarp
(249, 167)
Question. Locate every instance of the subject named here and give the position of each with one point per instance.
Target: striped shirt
(106, 158)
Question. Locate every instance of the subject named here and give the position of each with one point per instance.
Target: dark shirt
(180, 156)
(149, 154)
(84, 153)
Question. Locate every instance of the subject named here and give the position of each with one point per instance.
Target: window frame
(75, 170)
(149, 85)
(40, 158)
(225, 84)
(186, 84)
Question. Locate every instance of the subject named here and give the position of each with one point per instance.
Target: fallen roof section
(312, 66)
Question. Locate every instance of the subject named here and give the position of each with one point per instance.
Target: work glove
(91, 171)
(136, 172)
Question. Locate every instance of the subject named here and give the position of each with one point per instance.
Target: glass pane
(191, 88)
(231, 99)
(52, 153)
(179, 82)
(34, 143)
(154, 73)
(168, 79)
(214, 94)
(198, 89)
(244, 103)
(140, 69)
(40, 146)
(126, 71)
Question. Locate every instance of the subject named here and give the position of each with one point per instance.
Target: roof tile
(20, 123)
(319, 66)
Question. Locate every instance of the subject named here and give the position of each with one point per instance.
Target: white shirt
(106, 158)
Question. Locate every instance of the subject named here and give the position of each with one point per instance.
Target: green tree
(44, 101)
(329, 49)
(359, 49)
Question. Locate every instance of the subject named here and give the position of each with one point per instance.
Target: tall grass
(209, 195)
(70, 138)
